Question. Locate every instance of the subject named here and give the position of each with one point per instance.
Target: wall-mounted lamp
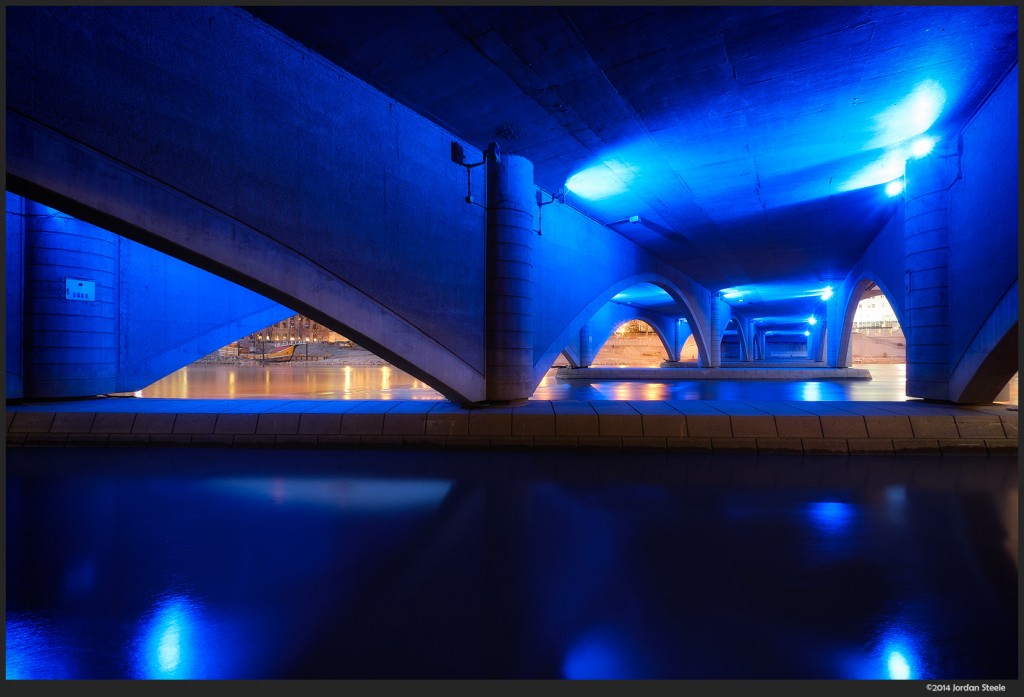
(559, 197)
(493, 152)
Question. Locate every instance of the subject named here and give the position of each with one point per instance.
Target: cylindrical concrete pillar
(715, 333)
(70, 331)
(835, 316)
(926, 266)
(511, 201)
(586, 345)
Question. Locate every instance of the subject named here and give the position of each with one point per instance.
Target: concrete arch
(851, 300)
(131, 204)
(648, 319)
(741, 332)
(687, 305)
(991, 358)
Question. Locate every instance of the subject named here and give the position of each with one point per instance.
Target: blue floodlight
(827, 293)
(812, 320)
(602, 181)
(894, 188)
(807, 333)
(922, 146)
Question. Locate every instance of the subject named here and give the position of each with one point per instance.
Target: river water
(319, 381)
(128, 563)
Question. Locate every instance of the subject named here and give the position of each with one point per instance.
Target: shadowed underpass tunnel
(298, 173)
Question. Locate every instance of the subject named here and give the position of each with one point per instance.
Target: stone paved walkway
(910, 427)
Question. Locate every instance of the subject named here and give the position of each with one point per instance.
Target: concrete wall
(983, 242)
(152, 315)
(210, 137)
(14, 281)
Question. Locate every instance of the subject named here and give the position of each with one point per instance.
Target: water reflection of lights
(900, 655)
(598, 655)
(231, 384)
(348, 379)
(831, 516)
(32, 652)
(349, 494)
(167, 644)
(654, 390)
(385, 379)
(810, 392)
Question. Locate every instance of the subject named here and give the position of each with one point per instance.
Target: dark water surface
(353, 564)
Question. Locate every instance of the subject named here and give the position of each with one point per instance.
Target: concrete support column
(747, 337)
(71, 326)
(835, 318)
(715, 333)
(511, 200)
(926, 275)
(678, 337)
(587, 348)
(814, 342)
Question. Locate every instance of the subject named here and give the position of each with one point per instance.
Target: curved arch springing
(737, 325)
(863, 283)
(687, 307)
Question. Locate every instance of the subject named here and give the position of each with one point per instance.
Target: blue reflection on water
(599, 654)
(831, 516)
(582, 567)
(33, 653)
(901, 652)
(350, 494)
(168, 644)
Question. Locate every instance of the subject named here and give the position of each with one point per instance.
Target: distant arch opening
(876, 335)
(633, 343)
(689, 352)
(733, 347)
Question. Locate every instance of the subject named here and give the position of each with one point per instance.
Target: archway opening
(689, 352)
(633, 344)
(876, 337)
(732, 342)
(296, 357)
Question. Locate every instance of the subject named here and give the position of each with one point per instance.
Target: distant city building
(875, 312)
(296, 328)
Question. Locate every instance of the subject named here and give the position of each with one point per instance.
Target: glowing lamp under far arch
(894, 188)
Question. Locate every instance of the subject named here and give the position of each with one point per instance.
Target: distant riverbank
(323, 354)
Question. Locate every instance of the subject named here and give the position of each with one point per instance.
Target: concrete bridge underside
(211, 138)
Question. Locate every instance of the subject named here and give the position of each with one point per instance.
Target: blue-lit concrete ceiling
(754, 143)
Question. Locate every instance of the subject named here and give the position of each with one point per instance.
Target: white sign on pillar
(79, 289)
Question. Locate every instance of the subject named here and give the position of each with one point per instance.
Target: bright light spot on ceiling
(807, 333)
(827, 293)
(812, 320)
(909, 117)
(601, 181)
(894, 187)
(894, 128)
